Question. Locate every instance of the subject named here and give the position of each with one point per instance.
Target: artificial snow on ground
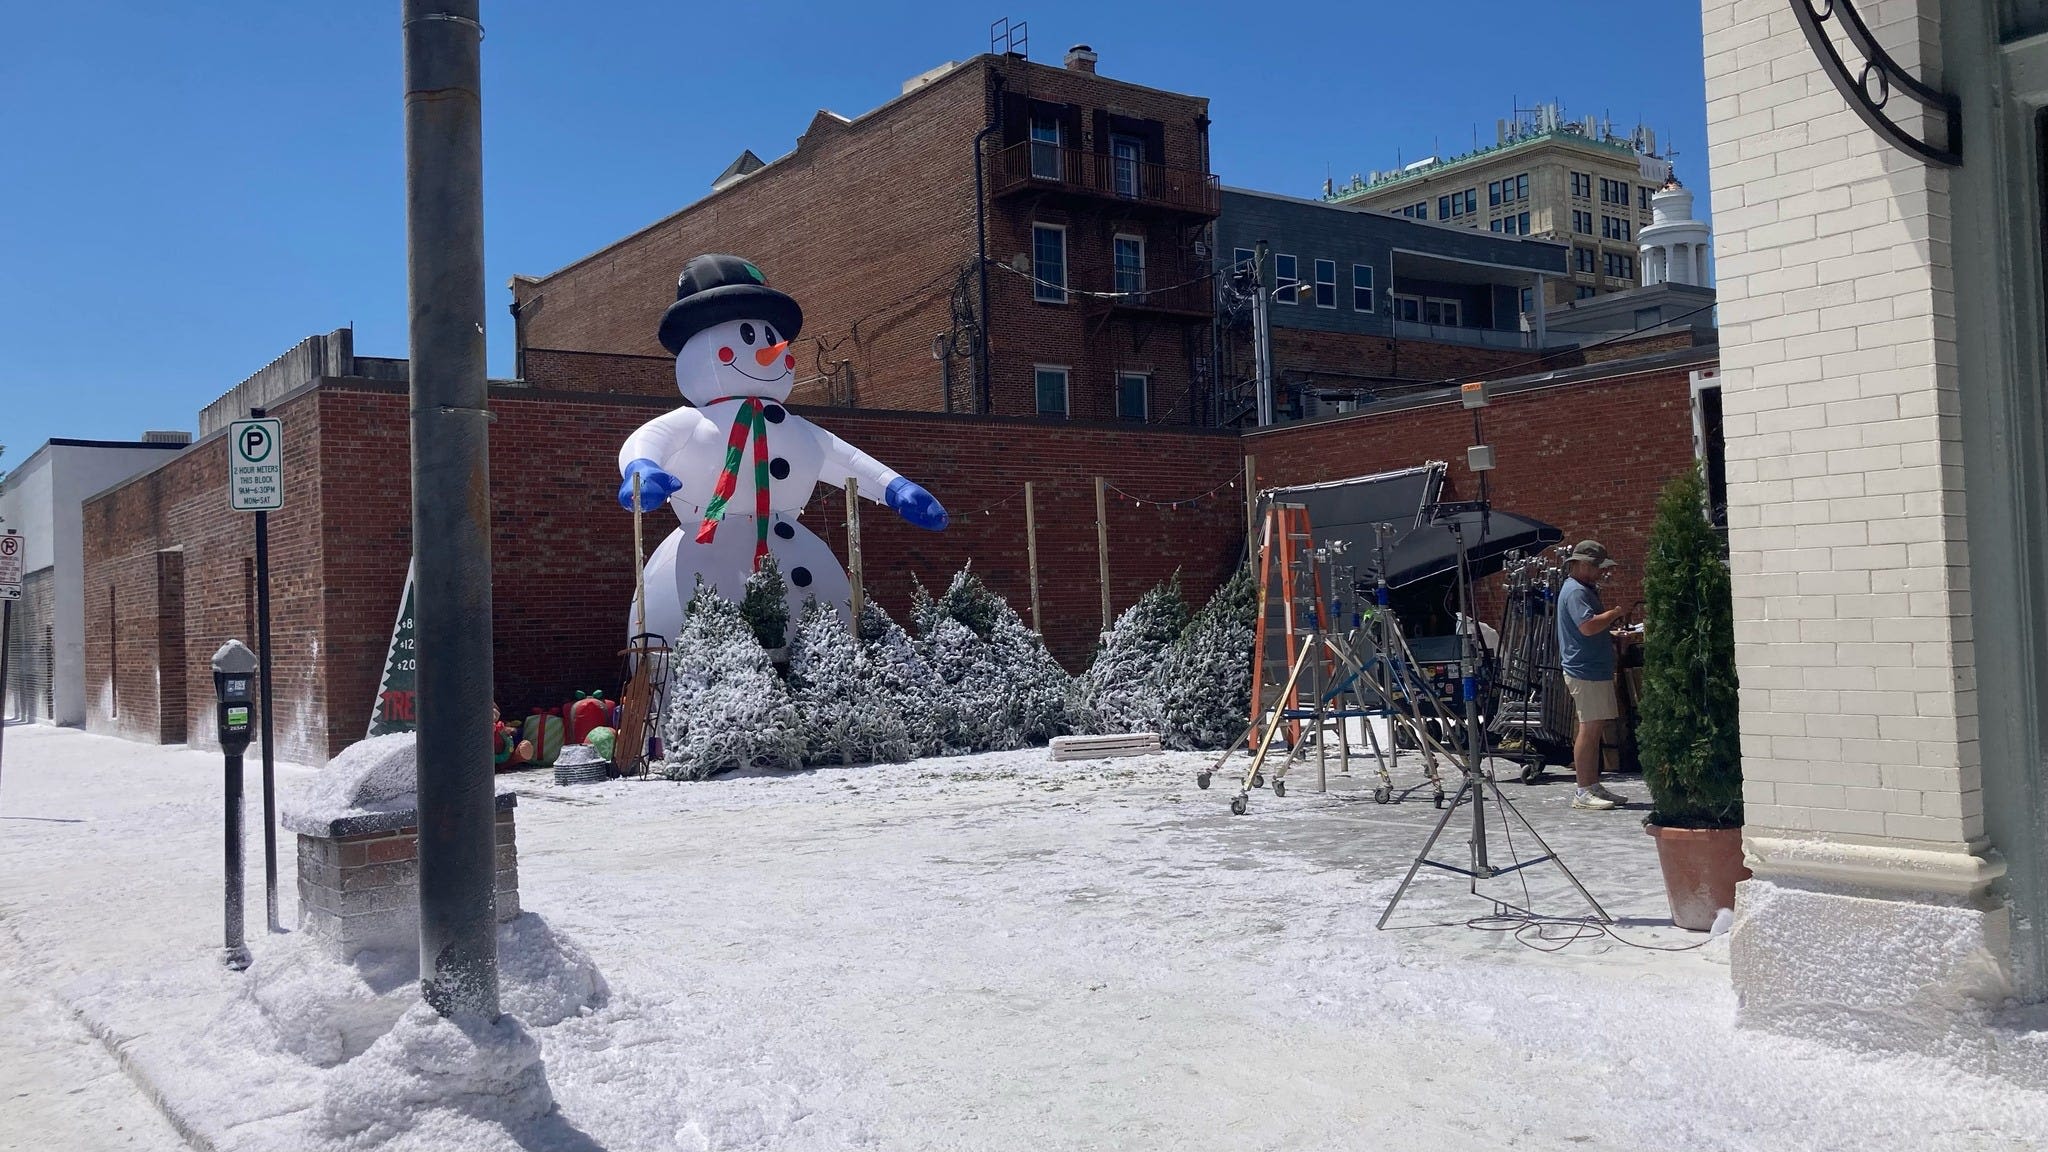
(986, 952)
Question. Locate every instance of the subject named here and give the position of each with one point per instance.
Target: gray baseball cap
(1592, 552)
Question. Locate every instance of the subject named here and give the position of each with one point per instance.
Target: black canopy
(1349, 510)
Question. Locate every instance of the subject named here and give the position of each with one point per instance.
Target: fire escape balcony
(1040, 167)
(1178, 296)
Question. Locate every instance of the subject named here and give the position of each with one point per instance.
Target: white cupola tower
(1674, 246)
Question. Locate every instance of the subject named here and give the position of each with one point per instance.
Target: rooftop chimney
(1081, 58)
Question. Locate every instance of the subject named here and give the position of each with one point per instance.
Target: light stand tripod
(1476, 783)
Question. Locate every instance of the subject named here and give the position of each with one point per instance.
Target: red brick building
(875, 225)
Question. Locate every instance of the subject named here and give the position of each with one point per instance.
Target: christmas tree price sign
(393, 710)
(256, 465)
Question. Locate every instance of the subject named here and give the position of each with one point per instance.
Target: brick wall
(562, 549)
(173, 563)
(1845, 497)
(1588, 457)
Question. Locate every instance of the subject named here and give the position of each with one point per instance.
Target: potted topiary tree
(1687, 733)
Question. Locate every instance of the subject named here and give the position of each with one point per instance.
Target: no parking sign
(13, 549)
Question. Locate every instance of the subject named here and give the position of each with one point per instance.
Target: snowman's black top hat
(716, 288)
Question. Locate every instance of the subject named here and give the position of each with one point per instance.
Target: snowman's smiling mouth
(759, 379)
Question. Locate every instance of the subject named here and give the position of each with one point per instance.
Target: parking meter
(234, 672)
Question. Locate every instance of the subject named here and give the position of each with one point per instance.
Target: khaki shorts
(1594, 699)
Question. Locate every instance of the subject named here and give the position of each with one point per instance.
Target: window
(1408, 308)
(1528, 300)
(1522, 186)
(1130, 263)
(1244, 263)
(1049, 263)
(1582, 222)
(1127, 160)
(1131, 389)
(1616, 192)
(1052, 390)
(1493, 227)
(1417, 211)
(1583, 260)
(1361, 288)
(1457, 204)
(1615, 227)
(1443, 207)
(1286, 274)
(1046, 139)
(1645, 192)
(1621, 266)
(1709, 445)
(1471, 201)
(1326, 283)
(1493, 194)
(1582, 185)
(1437, 310)
(1515, 225)
(1522, 224)
(1587, 292)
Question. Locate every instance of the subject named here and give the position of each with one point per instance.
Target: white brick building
(1882, 388)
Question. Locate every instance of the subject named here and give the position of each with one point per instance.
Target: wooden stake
(1031, 550)
(1102, 543)
(853, 550)
(639, 564)
(1251, 507)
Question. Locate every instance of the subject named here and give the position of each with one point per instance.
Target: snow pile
(1121, 692)
(849, 713)
(727, 707)
(327, 1012)
(544, 977)
(486, 1069)
(369, 777)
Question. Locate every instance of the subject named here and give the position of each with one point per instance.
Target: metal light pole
(450, 503)
(1262, 337)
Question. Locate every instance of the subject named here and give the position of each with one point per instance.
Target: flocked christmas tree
(901, 674)
(1003, 688)
(1120, 692)
(765, 606)
(727, 707)
(847, 712)
(1688, 735)
(1205, 682)
(1035, 683)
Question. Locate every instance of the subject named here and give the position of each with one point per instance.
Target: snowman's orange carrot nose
(766, 356)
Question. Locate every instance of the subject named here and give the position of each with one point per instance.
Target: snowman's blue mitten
(915, 504)
(656, 486)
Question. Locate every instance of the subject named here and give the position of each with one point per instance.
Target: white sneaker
(1601, 791)
(1591, 800)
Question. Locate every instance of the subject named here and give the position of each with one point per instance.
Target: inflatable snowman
(737, 466)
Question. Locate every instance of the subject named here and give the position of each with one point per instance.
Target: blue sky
(189, 189)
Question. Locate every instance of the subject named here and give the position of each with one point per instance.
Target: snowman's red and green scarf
(750, 419)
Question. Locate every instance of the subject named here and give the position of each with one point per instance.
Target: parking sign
(256, 465)
(13, 550)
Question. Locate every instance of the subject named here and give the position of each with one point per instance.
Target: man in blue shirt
(1586, 651)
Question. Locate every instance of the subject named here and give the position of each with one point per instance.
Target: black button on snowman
(737, 467)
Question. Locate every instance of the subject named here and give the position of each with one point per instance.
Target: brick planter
(359, 880)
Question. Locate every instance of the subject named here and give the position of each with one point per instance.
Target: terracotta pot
(1701, 868)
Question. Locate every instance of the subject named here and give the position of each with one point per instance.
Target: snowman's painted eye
(747, 333)
(768, 333)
